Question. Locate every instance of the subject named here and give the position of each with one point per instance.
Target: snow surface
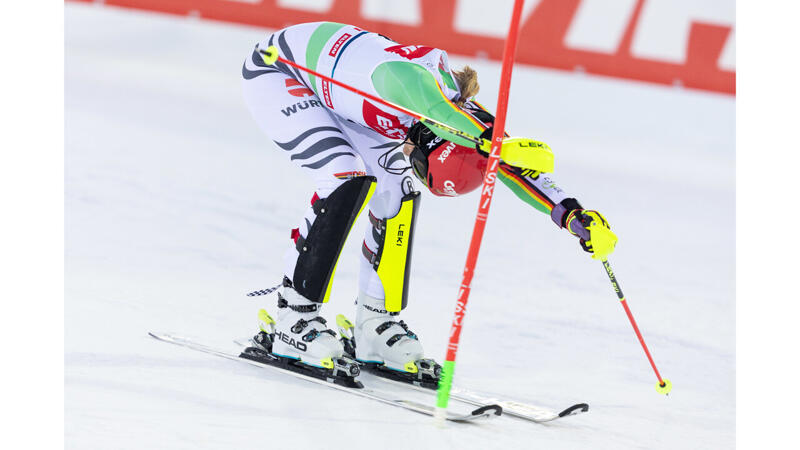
(176, 205)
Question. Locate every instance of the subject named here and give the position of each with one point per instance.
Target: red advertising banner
(659, 41)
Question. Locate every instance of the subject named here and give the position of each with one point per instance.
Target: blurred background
(176, 206)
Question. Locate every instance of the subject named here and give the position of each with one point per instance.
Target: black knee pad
(319, 251)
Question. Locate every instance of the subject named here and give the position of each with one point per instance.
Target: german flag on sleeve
(520, 182)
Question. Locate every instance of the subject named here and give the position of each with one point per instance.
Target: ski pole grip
(270, 55)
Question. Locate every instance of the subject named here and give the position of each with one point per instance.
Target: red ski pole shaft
(489, 180)
(664, 385)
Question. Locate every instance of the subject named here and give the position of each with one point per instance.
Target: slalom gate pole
(663, 386)
(271, 56)
(489, 180)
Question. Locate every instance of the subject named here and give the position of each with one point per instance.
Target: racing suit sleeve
(538, 190)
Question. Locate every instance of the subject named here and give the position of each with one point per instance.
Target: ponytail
(467, 79)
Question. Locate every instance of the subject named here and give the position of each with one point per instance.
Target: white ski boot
(300, 334)
(384, 342)
(301, 342)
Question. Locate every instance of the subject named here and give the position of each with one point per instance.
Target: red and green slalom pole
(489, 180)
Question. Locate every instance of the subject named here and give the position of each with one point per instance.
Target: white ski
(517, 409)
(514, 408)
(484, 412)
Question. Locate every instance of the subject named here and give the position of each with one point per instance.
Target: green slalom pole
(489, 180)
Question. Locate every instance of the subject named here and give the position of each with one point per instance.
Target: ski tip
(574, 409)
(497, 410)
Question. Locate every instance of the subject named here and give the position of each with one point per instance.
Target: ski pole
(521, 152)
(271, 56)
(489, 179)
(663, 386)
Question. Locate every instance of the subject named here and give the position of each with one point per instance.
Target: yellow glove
(520, 152)
(593, 230)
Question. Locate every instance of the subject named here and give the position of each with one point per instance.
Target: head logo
(297, 89)
(290, 341)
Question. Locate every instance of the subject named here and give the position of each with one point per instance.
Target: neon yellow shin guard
(393, 260)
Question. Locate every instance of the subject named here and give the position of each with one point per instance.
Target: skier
(351, 148)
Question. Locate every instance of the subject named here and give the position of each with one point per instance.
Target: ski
(513, 408)
(517, 409)
(483, 412)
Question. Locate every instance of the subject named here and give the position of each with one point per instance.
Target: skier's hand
(594, 232)
(521, 152)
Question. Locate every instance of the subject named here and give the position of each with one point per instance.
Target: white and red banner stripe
(685, 42)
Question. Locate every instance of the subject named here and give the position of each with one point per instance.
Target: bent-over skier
(354, 151)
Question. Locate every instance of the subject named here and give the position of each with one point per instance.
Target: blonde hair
(467, 79)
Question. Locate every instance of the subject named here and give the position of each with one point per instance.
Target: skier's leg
(385, 264)
(292, 116)
(388, 240)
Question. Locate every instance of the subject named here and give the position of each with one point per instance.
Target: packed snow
(177, 205)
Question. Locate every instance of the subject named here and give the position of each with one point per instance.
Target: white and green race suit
(333, 134)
